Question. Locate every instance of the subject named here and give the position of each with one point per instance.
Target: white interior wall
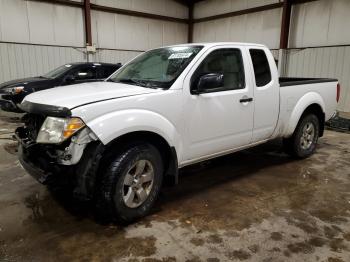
(23, 60)
(332, 62)
(215, 7)
(34, 31)
(41, 23)
(116, 31)
(261, 27)
(320, 23)
(313, 24)
(158, 7)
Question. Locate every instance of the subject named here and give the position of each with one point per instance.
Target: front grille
(32, 124)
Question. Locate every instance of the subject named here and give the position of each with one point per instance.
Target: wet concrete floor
(256, 205)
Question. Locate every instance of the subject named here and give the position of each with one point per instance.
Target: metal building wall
(36, 37)
(321, 23)
(41, 23)
(214, 7)
(261, 27)
(23, 60)
(159, 7)
(120, 37)
(114, 31)
(319, 39)
(332, 62)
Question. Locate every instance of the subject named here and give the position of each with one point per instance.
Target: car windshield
(158, 68)
(58, 71)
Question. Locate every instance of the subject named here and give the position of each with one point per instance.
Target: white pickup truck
(119, 140)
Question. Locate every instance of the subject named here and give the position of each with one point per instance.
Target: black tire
(294, 146)
(110, 204)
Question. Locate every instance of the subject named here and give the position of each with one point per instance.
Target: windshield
(158, 68)
(58, 71)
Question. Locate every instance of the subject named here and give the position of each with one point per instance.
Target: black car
(13, 92)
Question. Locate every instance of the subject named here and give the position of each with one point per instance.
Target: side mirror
(69, 79)
(208, 83)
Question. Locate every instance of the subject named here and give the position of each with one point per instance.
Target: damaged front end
(74, 160)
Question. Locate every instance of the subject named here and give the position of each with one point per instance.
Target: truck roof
(219, 43)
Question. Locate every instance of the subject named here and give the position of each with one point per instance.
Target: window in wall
(226, 61)
(261, 67)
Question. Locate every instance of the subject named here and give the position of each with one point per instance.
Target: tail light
(338, 92)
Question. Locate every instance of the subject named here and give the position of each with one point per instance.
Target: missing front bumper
(37, 160)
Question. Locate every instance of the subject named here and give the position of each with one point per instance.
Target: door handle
(245, 100)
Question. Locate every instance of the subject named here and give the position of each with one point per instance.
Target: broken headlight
(55, 129)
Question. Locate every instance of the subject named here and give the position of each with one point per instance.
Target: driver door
(219, 120)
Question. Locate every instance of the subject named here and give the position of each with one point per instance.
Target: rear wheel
(303, 142)
(131, 183)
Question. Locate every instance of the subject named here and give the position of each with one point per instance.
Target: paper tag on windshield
(180, 55)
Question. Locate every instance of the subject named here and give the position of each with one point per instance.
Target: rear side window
(261, 67)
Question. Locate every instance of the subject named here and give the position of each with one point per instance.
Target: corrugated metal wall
(41, 23)
(215, 7)
(36, 37)
(116, 31)
(23, 60)
(159, 7)
(321, 23)
(261, 27)
(313, 24)
(333, 62)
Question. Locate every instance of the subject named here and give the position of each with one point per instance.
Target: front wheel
(303, 142)
(131, 183)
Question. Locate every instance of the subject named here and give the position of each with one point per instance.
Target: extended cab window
(261, 67)
(223, 61)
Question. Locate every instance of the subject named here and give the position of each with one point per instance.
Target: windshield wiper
(135, 81)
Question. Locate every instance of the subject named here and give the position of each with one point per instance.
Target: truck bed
(291, 81)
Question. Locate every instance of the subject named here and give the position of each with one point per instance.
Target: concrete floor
(256, 205)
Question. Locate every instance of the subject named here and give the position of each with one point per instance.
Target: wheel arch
(167, 152)
(309, 103)
(316, 110)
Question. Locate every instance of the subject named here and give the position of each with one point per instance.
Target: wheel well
(317, 110)
(167, 152)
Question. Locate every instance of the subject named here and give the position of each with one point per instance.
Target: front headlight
(55, 129)
(14, 90)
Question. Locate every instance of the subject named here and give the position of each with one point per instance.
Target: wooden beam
(190, 23)
(285, 24)
(240, 12)
(61, 2)
(114, 10)
(87, 20)
(250, 10)
(137, 14)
